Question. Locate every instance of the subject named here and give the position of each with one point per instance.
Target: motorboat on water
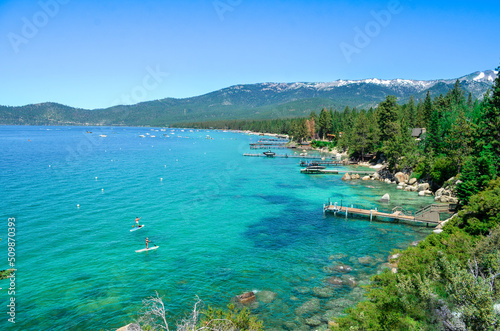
(269, 153)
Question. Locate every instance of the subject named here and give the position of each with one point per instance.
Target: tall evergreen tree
(323, 123)
(387, 113)
(470, 101)
(360, 139)
(411, 113)
(427, 111)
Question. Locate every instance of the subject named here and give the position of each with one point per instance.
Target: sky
(96, 54)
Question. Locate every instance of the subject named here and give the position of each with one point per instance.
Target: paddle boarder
(147, 242)
(137, 221)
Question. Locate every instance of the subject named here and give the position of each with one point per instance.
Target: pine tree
(470, 102)
(323, 123)
(387, 113)
(427, 111)
(360, 138)
(411, 113)
(460, 140)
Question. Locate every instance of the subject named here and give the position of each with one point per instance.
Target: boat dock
(286, 156)
(325, 163)
(334, 171)
(269, 147)
(428, 215)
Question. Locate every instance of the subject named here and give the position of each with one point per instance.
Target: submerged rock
(302, 289)
(334, 281)
(350, 281)
(342, 268)
(266, 296)
(309, 307)
(323, 292)
(314, 320)
(365, 260)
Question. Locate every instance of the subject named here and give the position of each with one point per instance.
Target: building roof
(417, 132)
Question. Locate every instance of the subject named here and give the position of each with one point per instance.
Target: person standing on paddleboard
(137, 221)
(147, 241)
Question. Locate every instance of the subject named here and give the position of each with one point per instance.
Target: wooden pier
(286, 156)
(324, 163)
(270, 147)
(334, 171)
(423, 216)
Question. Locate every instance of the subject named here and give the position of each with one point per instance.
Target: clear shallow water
(225, 224)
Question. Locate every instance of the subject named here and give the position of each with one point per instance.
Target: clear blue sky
(94, 54)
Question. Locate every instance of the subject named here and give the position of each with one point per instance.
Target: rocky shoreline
(403, 181)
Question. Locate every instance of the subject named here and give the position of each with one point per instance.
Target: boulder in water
(385, 198)
(246, 298)
(346, 176)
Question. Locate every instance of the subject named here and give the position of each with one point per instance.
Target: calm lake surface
(225, 224)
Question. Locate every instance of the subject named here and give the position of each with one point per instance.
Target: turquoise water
(226, 224)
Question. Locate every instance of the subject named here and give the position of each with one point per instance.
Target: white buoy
(78, 205)
(165, 165)
(161, 179)
(96, 178)
(102, 189)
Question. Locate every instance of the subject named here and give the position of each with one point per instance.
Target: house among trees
(417, 133)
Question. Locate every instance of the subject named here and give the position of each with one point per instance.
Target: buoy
(78, 205)
(161, 179)
(50, 166)
(102, 189)
(96, 178)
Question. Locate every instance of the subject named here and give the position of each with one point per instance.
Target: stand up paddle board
(147, 249)
(135, 229)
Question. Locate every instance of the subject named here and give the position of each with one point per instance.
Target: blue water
(226, 224)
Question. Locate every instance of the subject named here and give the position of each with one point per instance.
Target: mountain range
(250, 101)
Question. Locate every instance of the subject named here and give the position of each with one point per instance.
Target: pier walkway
(286, 156)
(335, 171)
(428, 215)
